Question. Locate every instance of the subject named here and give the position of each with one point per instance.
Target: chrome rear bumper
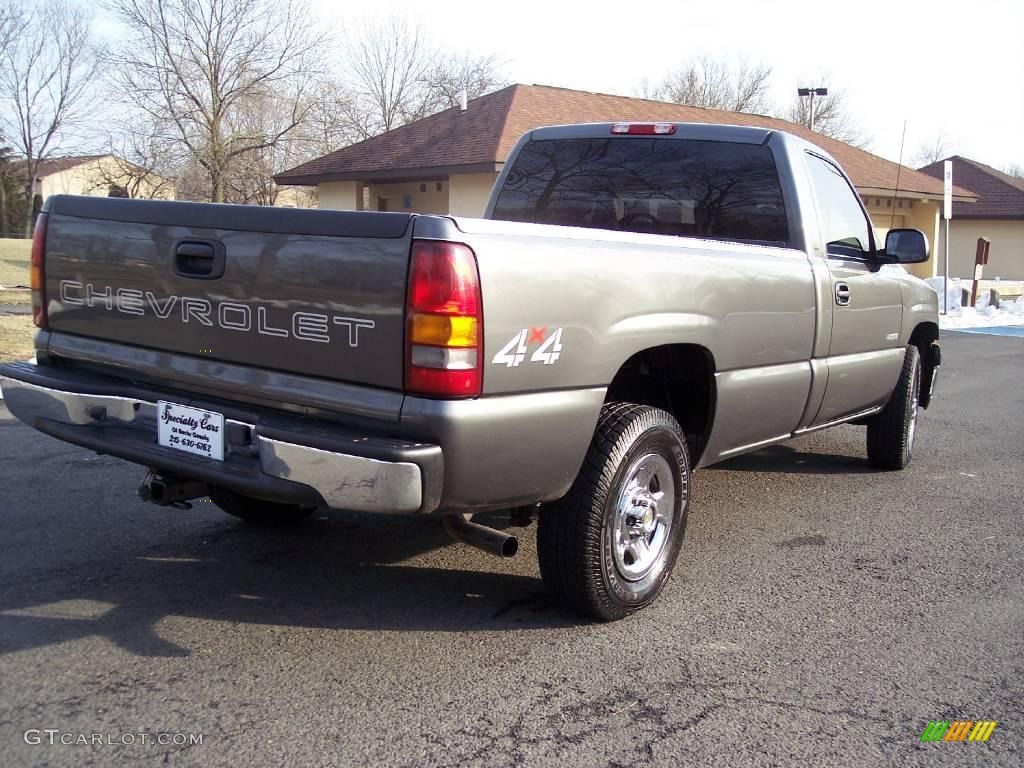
(255, 462)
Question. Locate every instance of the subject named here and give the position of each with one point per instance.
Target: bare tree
(194, 64)
(11, 19)
(45, 74)
(193, 181)
(138, 165)
(939, 147)
(250, 181)
(451, 76)
(398, 75)
(1014, 169)
(832, 117)
(389, 61)
(716, 84)
(10, 22)
(330, 123)
(5, 174)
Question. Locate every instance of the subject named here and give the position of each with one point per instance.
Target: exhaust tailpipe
(480, 536)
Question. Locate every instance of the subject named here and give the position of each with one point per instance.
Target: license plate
(192, 430)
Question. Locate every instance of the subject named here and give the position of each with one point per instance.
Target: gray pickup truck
(640, 300)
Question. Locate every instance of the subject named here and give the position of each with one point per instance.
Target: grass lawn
(16, 331)
(14, 256)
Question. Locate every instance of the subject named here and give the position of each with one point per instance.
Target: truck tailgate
(320, 293)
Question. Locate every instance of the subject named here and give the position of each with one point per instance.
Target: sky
(950, 67)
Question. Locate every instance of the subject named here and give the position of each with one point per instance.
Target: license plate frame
(191, 430)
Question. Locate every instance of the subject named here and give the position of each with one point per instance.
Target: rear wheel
(891, 432)
(607, 548)
(260, 511)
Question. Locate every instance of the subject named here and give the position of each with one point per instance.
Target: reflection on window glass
(843, 224)
(662, 186)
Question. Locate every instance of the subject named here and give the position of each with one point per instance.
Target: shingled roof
(58, 164)
(1000, 196)
(481, 138)
(53, 165)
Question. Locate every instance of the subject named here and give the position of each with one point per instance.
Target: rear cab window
(689, 188)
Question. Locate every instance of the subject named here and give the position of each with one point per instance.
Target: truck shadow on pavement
(787, 459)
(339, 571)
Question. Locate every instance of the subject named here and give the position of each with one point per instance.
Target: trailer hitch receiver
(167, 491)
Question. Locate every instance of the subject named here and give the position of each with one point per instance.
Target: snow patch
(953, 292)
(981, 316)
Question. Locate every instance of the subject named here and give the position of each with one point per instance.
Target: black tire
(259, 511)
(891, 431)
(576, 535)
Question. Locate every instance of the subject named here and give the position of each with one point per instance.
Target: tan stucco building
(998, 214)
(100, 176)
(447, 162)
(295, 197)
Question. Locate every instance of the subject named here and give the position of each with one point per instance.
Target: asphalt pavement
(822, 613)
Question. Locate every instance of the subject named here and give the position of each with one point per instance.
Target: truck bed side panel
(614, 294)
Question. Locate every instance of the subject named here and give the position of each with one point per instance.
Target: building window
(423, 187)
(440, 186)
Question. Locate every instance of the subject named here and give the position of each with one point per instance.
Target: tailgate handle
(199, 259)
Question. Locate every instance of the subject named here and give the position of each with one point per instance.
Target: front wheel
(607, 548)
(891, 431)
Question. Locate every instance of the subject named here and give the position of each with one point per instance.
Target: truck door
(864, 355)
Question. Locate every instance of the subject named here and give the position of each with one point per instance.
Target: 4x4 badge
(515, 351)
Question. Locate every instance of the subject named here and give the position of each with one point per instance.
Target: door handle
(842, 294)
(199, 259)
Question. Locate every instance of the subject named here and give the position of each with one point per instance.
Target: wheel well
(678, 378)
(924, 335)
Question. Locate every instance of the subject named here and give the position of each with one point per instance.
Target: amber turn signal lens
(37, 272)
(444, 330)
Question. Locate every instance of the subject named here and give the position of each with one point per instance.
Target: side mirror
(906, 246)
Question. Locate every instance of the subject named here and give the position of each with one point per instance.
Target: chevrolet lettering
(233, 316)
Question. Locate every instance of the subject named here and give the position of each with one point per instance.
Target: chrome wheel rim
(643, 517)
(914, 399)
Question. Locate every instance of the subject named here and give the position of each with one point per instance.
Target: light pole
(812, 92)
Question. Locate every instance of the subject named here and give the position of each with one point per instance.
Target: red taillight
(444, 354)
(37, 272)
(645, 129)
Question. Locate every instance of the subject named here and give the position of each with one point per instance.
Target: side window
(843, 222)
